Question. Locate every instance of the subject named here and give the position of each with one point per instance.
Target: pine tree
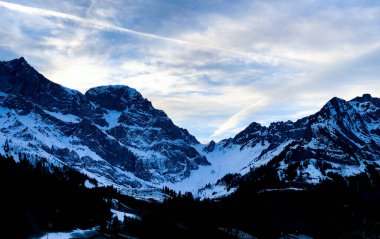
(6, 147)
(115, 227)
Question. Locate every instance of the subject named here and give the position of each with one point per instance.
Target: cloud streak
(108, 26)
(89, 22)
(213, 66)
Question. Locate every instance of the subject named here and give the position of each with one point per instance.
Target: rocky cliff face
(110, 132)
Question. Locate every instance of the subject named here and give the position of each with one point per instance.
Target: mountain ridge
(114, 134)
(343, 138)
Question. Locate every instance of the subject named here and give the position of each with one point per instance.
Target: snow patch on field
(78, 233)
(87, 184)
(120, 215)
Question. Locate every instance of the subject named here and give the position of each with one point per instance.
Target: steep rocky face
(275, 134)
(151, 135)
(19, 78)
(110, 132)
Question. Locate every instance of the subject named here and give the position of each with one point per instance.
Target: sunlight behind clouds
(213, 66)
(81, 73)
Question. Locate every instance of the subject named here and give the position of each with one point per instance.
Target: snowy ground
(78, 233)
(120, 215)
(223, 161)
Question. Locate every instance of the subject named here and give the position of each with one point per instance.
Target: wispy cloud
(90, 22)
(214, 66)
(108, 26)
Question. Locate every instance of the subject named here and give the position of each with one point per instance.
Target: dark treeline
(36, 198)
(338, 208)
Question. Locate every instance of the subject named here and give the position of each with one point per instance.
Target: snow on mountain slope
(222, 161)
(225, 158)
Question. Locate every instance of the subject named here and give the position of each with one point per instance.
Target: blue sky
(213, 66)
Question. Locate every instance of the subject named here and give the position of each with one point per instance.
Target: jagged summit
(118, 97)
(17, 77)
(19, 74)
(20, 60)
(21, 68)
(120, 90)
(16, 62)
(367, 98)
(364, 97)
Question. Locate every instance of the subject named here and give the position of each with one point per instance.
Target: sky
(214, 66)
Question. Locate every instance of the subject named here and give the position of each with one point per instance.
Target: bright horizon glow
(213, 66)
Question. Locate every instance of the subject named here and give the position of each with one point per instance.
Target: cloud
(90, 22)
(236, 119)
(80, 73)
(213, 66)
(320, 36)
(108, 26)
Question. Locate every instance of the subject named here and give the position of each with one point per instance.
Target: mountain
(114, 134)
(110, 133)
(342, 138)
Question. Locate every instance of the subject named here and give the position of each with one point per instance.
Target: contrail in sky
(86, 21)
(108, 26)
